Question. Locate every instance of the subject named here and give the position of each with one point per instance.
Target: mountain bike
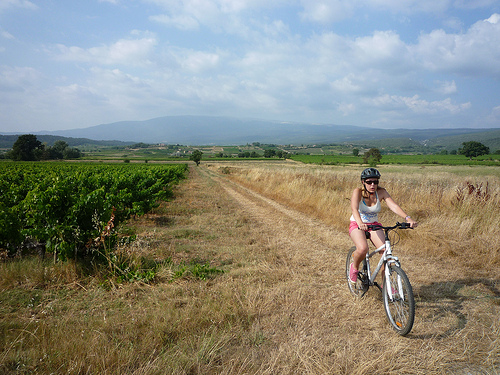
(397, 292)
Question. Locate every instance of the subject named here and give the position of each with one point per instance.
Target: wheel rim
(400, 309)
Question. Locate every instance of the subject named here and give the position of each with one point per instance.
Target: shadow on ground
(441, 305)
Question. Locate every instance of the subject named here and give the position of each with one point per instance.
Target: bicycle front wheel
(361, 285)
(400, 307)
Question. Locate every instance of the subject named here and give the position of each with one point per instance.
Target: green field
(485, 160)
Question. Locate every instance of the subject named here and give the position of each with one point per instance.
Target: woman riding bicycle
(365, 206)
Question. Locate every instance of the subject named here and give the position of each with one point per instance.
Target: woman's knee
(362, 249)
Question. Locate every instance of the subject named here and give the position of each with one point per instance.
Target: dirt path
(298, 233)
(311, 315)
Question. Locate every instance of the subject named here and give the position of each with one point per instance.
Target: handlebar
(398, 226)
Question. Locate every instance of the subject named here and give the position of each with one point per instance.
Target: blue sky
(376, 63)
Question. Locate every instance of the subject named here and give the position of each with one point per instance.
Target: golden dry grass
(282, 306)
(453, 220)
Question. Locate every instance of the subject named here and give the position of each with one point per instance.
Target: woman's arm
(355, 199)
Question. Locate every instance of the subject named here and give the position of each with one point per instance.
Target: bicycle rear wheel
(361, 286)
(400, 309)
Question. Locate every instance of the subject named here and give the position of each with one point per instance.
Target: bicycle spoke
(400, 309)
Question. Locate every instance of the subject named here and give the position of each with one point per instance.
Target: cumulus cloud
(416, 104)
(18, 79)
(474, 52)
(123, 52)
(198, 61)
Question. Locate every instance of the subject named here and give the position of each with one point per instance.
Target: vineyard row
(64, 207)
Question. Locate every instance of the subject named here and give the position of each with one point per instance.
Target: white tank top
(369, 214)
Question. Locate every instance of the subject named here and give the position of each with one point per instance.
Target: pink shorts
(353, 225)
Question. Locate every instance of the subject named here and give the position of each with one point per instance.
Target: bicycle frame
(386, 258)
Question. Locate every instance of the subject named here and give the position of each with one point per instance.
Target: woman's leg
(359, 238)
(378, 239)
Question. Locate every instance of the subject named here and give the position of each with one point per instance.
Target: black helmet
(370, 173)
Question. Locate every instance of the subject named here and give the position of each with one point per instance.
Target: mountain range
(213, 130)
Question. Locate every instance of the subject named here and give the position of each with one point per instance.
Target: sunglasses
(371, 182)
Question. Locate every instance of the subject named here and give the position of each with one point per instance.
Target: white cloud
(327, 11)
(495, 18)
(6, 35)
(493, 119)
(198, 61)
(346, 84)
(25, 4)
(446, 87)
(475, 52)
(409, 6)
(473, 4)
(346, 108)
(186, 14)
(380, 49)
(181, 22)
(18, 79)
(416, 105)
(123, 52)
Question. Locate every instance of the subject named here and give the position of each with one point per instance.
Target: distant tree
(73, 153)
(372, 157)
(472, 149)
(60, 146)
(56, 151)
(269, 153)
(27, 148)
(244, 154)
(443, 152)
(196, 156)
(355, 151)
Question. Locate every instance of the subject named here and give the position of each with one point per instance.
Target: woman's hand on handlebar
(413, 223)
(363, 227)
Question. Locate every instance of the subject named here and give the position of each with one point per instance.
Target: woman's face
(371, 185)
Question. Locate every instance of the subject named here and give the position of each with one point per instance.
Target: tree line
(28, 148)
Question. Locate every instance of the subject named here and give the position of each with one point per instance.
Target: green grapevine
(64, 206)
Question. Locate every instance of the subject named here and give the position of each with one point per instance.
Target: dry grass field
(279, 232)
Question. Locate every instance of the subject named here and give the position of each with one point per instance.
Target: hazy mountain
(206, 130)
